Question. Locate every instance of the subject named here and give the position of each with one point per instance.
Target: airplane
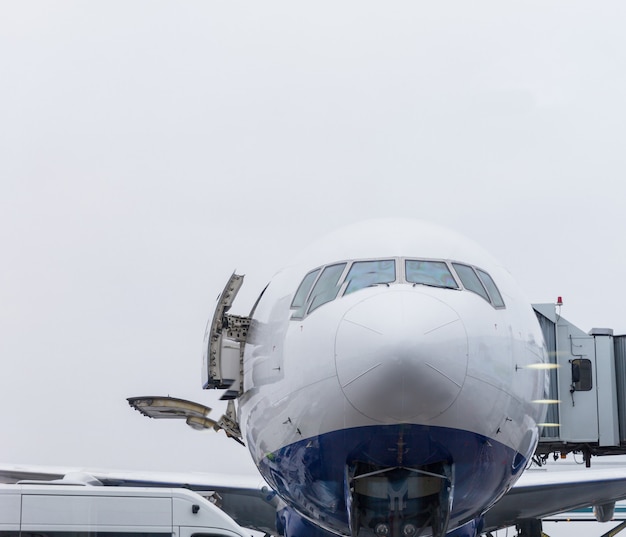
(391, 381)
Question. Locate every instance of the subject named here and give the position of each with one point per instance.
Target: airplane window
(435, 273)
(303, 291)
(470, 280)
(326, 287)
(496, 297)
(367, 273)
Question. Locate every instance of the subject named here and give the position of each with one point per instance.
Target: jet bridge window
(367, 273)
(581, 375)
(434, 273)
(326, 288)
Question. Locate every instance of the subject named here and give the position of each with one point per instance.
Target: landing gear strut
(530, 528)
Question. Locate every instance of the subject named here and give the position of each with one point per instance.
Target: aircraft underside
(396, 480)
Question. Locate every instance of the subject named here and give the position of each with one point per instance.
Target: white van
(60, 510)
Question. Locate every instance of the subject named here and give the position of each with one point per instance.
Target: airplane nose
(401, 355)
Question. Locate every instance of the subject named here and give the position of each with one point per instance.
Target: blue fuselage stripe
(310, 474)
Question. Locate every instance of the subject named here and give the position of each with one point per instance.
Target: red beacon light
(559, 301)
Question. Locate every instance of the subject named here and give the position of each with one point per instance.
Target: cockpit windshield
(299, 299)
(367, 273)
(326, 287)
(435, 273)
(324, 284)
(492, 289)
(470, 280)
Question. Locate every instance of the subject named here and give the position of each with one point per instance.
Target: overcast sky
(149, 148)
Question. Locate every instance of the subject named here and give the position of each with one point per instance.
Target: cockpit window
(496, 297)
(323, 284)
(326, 287)
(367, 273)
(434, 273)
(470, 280)
(303, 291)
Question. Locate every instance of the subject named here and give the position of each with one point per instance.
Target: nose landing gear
(400, 501)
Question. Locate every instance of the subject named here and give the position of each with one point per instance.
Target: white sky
(148, 148)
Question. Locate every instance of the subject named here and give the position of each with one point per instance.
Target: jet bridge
(587, 398)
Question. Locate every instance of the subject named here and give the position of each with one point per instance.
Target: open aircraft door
(224, 339)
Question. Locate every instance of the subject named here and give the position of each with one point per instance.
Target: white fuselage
(395, 378)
